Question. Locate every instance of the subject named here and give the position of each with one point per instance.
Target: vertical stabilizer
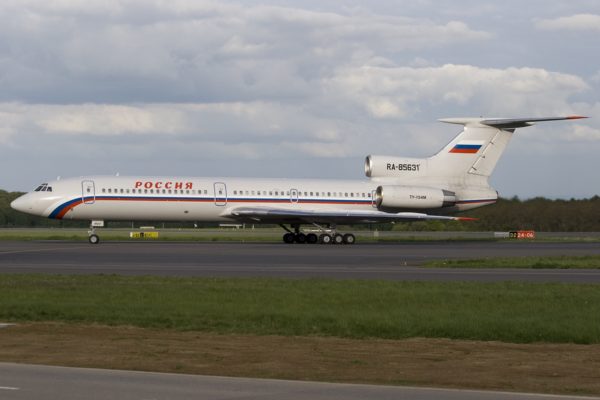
(474, 153)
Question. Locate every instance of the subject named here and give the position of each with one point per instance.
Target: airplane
(398, 189)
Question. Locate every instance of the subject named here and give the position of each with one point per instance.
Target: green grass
(509, 311)
(188, 235)
(558, 262)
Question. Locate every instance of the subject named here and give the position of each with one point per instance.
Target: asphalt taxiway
(18, 382)
(361, 261)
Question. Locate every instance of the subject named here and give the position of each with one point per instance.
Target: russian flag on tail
(467, 147)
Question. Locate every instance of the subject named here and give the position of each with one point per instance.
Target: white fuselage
(201, 199)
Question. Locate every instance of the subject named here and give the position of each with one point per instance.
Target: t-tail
(462, 168)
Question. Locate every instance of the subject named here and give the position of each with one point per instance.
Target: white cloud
(98, 119)
(194, 51)
(577, 22)
(397, 92)
(197, 83)
(583, 133)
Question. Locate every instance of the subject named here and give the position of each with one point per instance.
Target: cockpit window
(43, 188)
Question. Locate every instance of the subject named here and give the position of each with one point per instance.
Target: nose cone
(23, 204)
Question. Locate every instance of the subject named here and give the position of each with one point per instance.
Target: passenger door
(88, 192)
(220, 194)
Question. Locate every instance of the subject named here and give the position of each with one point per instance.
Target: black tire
(349, 238)
(288, 238)
(300, 238)
(311, 238)
(94, 239)
(338, 239)
(325, 238)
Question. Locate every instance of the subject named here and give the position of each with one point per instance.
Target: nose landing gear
(93, 238)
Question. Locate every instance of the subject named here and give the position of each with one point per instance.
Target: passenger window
(88, 190)
(351, 194)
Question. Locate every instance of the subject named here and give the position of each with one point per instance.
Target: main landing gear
(328, 237)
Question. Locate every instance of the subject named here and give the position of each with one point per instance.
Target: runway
(26, 382)
(362, 261)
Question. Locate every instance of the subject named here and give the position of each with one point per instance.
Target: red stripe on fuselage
(69, 207)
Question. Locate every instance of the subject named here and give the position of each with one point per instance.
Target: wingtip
(466, 219)
(576, 117)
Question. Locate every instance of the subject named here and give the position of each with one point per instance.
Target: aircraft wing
(287, 216)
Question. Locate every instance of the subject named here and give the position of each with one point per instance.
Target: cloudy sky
(294, 89)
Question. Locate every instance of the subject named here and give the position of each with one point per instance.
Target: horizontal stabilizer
(505, 123)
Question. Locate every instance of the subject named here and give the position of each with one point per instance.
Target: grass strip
(558, 262)
(542, 367)
(508, 311)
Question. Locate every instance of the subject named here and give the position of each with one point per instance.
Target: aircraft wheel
(349, 238)
(325, 238)
(311, 238)
(300, 238)
(338, 239)
(94, 239)
(288, 238)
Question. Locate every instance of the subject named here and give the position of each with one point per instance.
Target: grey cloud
(192, 51)
(280, 88)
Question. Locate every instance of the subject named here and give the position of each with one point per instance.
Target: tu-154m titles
(398, 189)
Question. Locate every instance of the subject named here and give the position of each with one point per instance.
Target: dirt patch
(550, 368)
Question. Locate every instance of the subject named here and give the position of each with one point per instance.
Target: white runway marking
(8, 388)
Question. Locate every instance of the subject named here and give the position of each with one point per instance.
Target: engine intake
(413, 197)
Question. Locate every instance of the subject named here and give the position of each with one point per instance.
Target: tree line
(540, 214)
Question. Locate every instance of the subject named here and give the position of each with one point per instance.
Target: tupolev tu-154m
(398, 189)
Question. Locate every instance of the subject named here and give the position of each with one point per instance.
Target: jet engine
(413, 197)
